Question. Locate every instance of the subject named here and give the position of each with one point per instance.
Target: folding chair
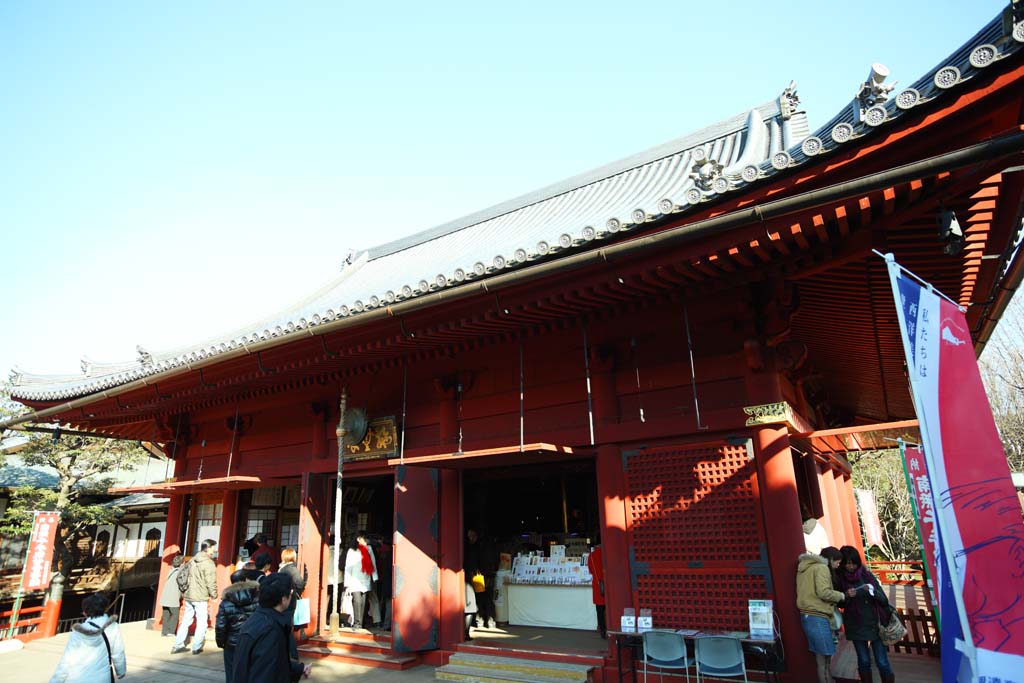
(665, 650)
(719, 656)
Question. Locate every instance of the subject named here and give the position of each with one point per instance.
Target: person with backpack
(237, 604)
(197, 580)
(95, 650)
(170, 599)
(262, 654)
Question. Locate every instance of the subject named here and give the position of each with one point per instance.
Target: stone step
(384, 660)
(472, 674)
(352, 644)
(465, 666)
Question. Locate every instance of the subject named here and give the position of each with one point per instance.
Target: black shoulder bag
(110, 654)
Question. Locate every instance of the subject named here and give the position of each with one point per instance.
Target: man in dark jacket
(261, 655)
(237, 604)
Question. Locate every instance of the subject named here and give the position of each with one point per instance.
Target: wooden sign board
(381, 441)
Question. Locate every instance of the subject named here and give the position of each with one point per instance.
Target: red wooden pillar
(611, 496)
(780, 505)
(845, 505)
(447, 415)
(311, 542)
(453, 591)
(226, 542)
(611, 491)
(173, 530)
(847, 491)
(837, 530)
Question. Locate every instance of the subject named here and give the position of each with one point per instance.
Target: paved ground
(150, 661)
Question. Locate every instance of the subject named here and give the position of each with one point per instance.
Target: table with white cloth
(551, 605)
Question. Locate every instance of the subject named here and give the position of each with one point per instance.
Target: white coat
(357, 581)
(85, 657)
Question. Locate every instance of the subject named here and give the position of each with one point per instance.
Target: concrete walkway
(150, 661)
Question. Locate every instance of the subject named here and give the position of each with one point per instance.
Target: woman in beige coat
(816, 599)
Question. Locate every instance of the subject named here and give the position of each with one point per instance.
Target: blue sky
(176, 170)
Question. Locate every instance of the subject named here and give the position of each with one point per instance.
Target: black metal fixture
(950, 233)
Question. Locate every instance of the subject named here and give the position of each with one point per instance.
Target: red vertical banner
(924, 508)
(40, 551)
(869, 517)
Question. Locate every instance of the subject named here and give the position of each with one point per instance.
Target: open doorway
(529, 532)
(368, 507)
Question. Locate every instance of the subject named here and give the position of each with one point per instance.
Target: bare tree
(882, 473)
(1002, 370)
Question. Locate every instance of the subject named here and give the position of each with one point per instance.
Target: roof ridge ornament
(15, 376)
(789, 101)
(868, 106)
(86, 366)
(145, 357)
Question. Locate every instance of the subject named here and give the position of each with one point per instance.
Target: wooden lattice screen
(697, 548)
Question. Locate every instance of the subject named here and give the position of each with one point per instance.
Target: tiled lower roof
(672, 179)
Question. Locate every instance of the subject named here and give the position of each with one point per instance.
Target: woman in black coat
(238, 603)
(865, 610)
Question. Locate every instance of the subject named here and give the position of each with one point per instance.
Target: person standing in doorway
(170, 599)
(480, 563)
(595, 564)
(201, 587)
(289, 569)
(265, 547)
(360, 573)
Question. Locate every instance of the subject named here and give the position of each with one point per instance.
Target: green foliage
(83, 466)
(74, 516)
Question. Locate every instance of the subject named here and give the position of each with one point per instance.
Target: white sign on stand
(645, 622)
(761, 622)
(628, 621)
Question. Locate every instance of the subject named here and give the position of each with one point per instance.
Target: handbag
(301, 616)
(346, 603)
(844, 661)
(894, 631)
(479, 585)
(837, 620)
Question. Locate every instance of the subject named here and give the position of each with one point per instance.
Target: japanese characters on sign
(924, 505)
(381, 440)
(40, 551)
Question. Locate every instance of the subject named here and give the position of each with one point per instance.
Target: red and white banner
(869, 517)
(924, 506)
(40, 551)
(977, 513)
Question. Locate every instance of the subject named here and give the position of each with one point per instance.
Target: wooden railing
(31, 624)
(922, 633)
(922, 625)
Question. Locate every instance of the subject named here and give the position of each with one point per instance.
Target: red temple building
(675, 352)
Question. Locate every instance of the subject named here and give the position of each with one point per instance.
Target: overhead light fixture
(950, 233)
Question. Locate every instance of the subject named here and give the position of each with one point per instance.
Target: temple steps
(362, 649)
(479, 668)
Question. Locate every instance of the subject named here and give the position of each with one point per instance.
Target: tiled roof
(672, 179)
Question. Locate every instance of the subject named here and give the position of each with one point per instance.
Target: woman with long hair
(866, 610)
(360, 573)
(816, 599)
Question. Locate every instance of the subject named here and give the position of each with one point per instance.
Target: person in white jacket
(87, 658)
(360, 573)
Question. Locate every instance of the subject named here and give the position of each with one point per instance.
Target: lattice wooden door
(697, 550)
